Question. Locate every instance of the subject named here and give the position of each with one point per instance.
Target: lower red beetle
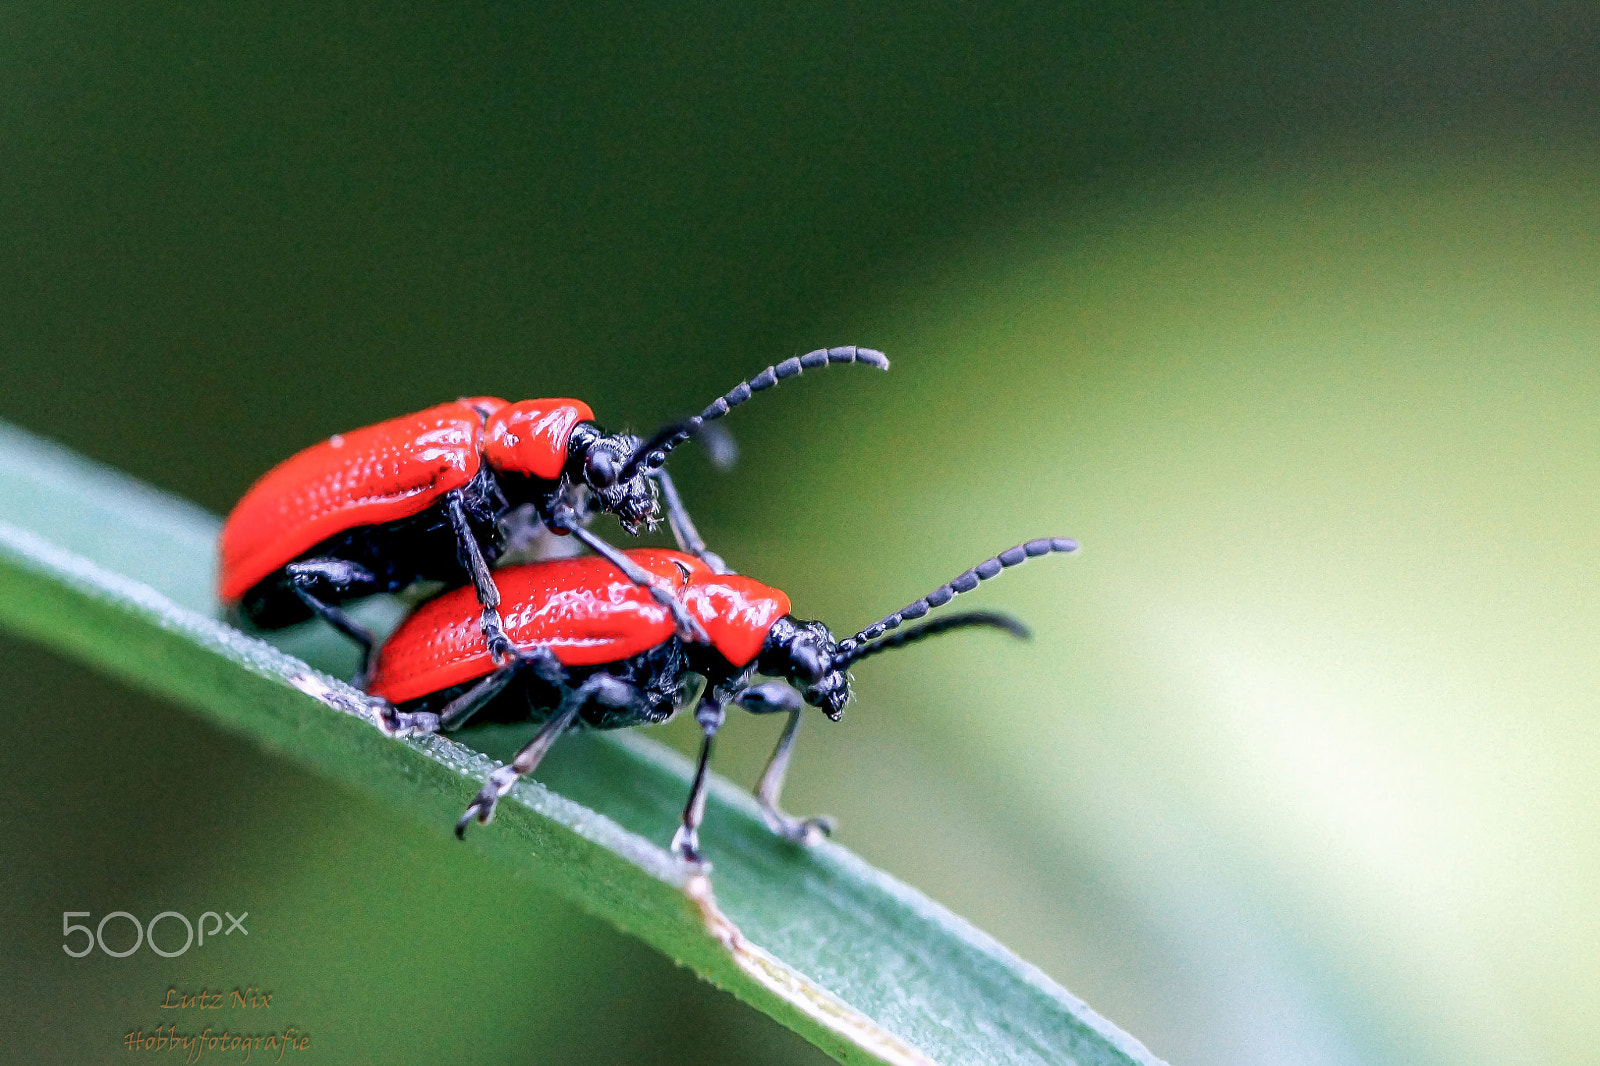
(592, 648)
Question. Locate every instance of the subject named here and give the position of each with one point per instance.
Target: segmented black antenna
(967, 619)
(652, 454)
(945, 593)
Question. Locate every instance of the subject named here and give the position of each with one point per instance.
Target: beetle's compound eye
(810, 654)
(600, 468)
(633, 500)
(799, 651)
(807, 664)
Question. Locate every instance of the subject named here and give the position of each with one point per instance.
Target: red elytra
(387, 472)
(583, 610)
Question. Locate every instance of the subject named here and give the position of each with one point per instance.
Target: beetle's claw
(686, 846)
(420, 723)
(387, 718)
(807, 831)
(481, 808)
(814, 830)
(494, 635)
(394, 723)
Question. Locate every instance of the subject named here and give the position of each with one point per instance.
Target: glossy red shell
(530, 436)
(583, 609)
(737, 612)
(377, 474)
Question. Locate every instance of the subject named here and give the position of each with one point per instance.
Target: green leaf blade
(869, 970)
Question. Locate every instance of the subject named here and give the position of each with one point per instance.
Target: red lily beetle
(591, 647)
(425, 497)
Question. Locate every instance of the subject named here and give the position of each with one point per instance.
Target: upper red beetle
(423, 498)
(593, 647)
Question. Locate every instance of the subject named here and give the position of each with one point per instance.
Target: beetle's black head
(598, 460)
(806, 654)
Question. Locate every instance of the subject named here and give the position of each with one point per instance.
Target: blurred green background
(1288, 311)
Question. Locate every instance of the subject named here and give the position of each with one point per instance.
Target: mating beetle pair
(425, 497)
(605, 641)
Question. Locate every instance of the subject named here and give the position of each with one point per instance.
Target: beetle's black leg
(394, 723)
(501, 780)
(599, 687)
(455, 713)
(770, 698)
(686, 841)
(543, 661)
(683, 530)
(477, 568)
(345, 578)
(563, 520)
